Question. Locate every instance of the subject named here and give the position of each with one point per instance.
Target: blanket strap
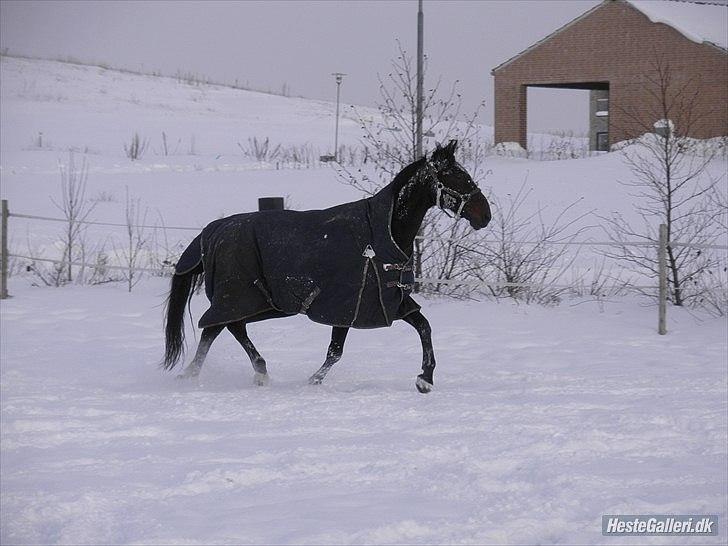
(397, 284)
(397, 267)
(309, 300)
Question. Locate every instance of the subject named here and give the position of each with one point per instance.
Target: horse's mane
(406, 174)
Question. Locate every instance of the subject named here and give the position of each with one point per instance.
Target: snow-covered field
(542, 419)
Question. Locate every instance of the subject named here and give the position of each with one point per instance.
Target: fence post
(4, 250)
(662, 272)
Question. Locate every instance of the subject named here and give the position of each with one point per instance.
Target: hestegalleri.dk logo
(659, 525)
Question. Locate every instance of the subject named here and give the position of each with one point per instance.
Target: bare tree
(136, 240)
(75, 208)
(391, 141)
(671, 184)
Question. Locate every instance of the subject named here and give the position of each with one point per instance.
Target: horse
(349, 266)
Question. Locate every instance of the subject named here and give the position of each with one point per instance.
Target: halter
(445, 196)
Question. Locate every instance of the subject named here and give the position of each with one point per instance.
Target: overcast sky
(299, 43)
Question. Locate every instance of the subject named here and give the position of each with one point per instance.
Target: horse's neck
(412, 199)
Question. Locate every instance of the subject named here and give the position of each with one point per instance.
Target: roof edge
(687, 34)
(549, 36)
(586, 14)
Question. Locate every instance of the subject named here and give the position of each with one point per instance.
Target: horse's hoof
(187, 375)
(423, 386)
(261, 379)
(315, 380)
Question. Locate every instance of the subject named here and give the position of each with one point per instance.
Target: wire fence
(652, 244)
(108, 224)
(660, 246)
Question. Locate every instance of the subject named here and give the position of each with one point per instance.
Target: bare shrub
(104, 196)
(166, 149)
(163, 255)
(136, 148)
(528, 250)
(448, 255)
(260, 150)
(558, 146)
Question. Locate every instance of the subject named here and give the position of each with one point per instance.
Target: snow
(510, 149)
(539, 423)
(542, 419)
(697, 22)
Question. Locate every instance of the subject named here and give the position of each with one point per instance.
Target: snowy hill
(542, 419)
(70, 97)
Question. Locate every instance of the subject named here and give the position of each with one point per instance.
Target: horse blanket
(339, 266)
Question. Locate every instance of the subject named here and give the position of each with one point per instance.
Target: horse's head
(455, 190)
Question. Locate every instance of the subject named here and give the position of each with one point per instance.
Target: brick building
(612, 51)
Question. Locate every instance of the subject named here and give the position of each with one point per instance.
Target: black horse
(347, 266)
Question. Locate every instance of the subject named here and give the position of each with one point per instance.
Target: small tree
(75, 208)
(391, 141)
(671, 185)
(136, 239)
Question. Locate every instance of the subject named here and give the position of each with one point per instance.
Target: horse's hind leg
(208, 336)
(238, 330)
(333, 355)
(424, 381)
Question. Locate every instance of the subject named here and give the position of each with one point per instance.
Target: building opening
(567, 120)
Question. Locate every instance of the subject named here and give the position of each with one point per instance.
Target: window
(603, 142)
(602, 108)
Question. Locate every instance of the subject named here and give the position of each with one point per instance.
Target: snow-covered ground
(542, 420)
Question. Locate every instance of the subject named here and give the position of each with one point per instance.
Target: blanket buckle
(369, 252)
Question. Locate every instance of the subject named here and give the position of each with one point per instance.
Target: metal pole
(4, 250)
(418, 126)
(662, 272)
(420, 79)
(339, 77)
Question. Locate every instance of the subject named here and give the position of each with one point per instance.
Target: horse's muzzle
(477, 211)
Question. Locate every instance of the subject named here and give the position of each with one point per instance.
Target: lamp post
(418, 127)
(339, 78)
(420, 79)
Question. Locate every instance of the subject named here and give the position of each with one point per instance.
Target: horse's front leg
(333, 355)
(424, 381)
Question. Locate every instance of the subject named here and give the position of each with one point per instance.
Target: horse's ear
(439, 153)
(451, 147)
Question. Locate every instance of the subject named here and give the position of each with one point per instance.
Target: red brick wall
(617, 44)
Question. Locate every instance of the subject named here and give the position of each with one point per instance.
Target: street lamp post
(339, 78)
(420, 79)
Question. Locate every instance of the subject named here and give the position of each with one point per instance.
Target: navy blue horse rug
(339, 266)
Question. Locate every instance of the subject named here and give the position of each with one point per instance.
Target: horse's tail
(183, 286)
